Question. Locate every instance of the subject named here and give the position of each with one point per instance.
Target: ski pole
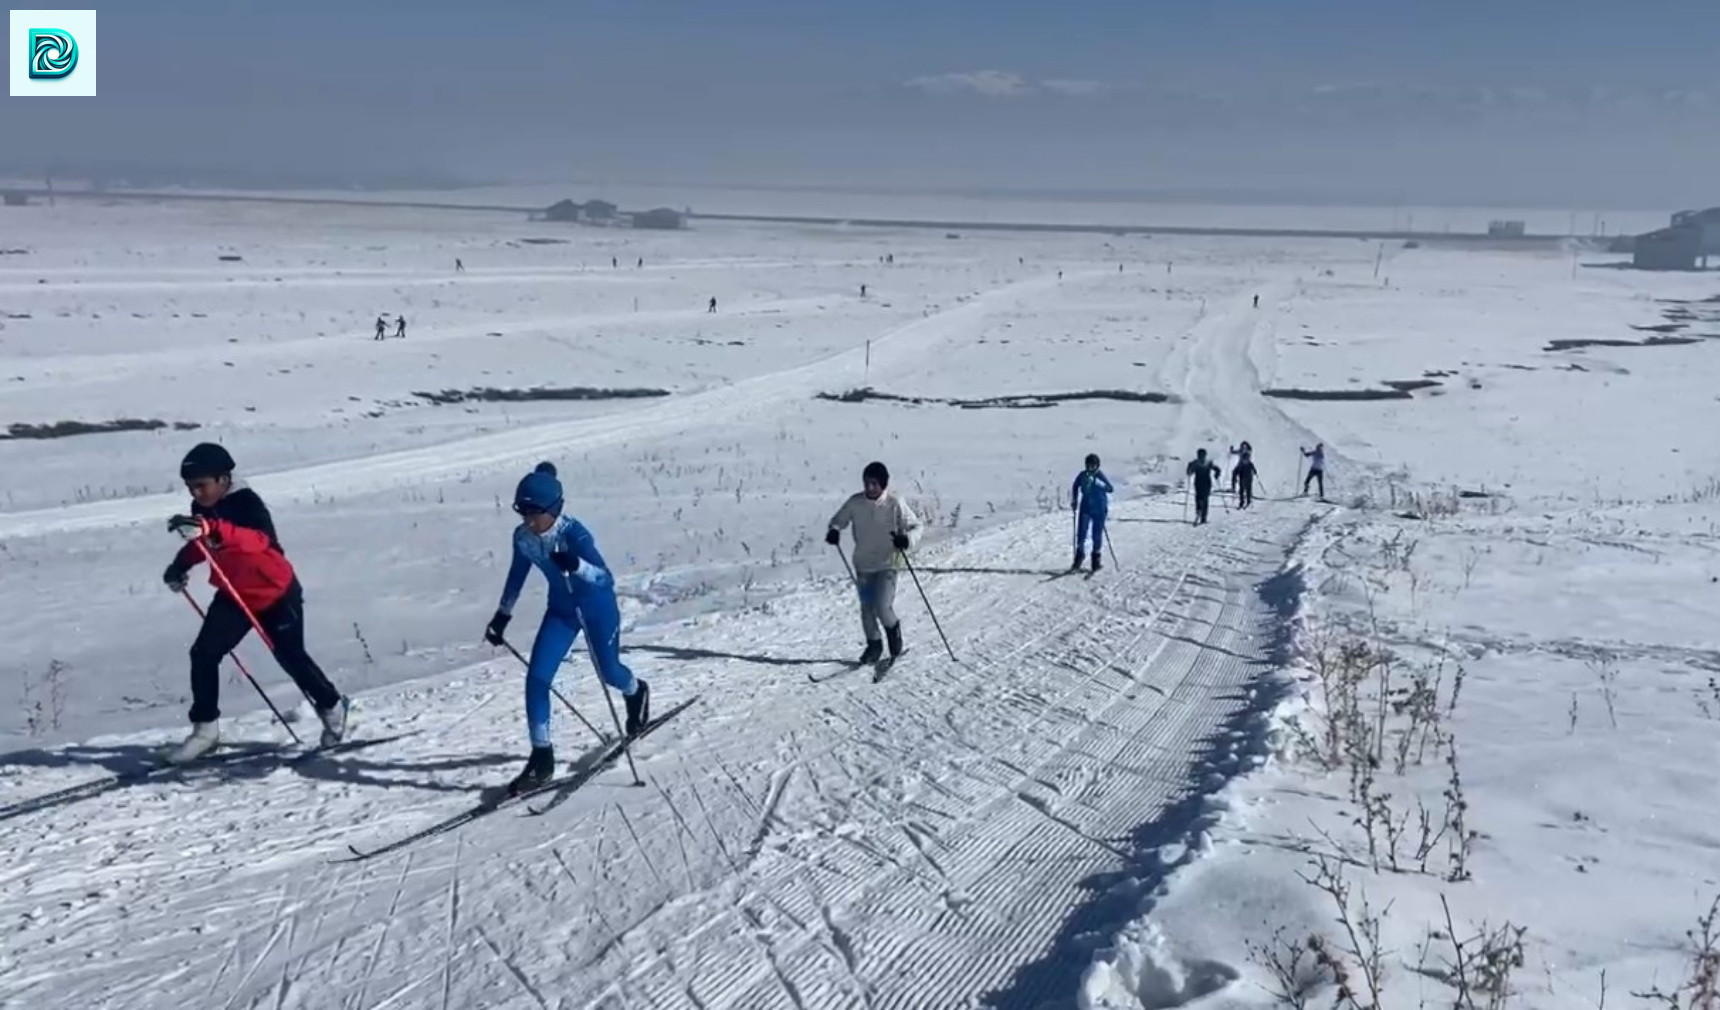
(850, 568)
(241, 664)
(626, 744)
(927, 601)
(1185, 501)
(1112, 548)
(558, 695)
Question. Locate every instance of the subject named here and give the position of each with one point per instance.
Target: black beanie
(878, 472)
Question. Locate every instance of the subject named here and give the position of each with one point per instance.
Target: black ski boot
(1080, 556)
(874, 652)
(539, 769)
(638, 707)
(894, 634)
(1096, 564)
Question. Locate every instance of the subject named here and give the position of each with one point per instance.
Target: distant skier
(1089, 498)
(641, 263)
(1257, 301)
(1202, 471)
(1316, 467)
(615, 261)
(459, 267)
(713, 307)
(381, 328)
(400, 327)
(1241, 452)
(235, 526)
(1243, 474)
(883, 526)
(581, 597)
(862, 291)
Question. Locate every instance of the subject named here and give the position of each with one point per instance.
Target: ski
(846, 668)
(882, 668)
(571, 782)
(606, 756)
(234, 755)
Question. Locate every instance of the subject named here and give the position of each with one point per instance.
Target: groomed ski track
(942, 839)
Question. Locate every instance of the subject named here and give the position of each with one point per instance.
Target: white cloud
(1075, 88)
(989, 83)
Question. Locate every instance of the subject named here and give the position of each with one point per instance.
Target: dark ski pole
(927, 601)
(626, 742)
(846, 566)
(558, 695)
(1114, 562)
(241, 665)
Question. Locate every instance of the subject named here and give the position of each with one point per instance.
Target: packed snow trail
(930, 841)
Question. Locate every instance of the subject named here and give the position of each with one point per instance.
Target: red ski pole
(221, 577)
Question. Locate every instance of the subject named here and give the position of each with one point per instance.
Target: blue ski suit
(581, 598)
(1090, 496)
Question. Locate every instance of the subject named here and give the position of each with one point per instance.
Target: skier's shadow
(690, 654)
(122, 759)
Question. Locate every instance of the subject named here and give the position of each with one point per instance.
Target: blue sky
(1578, 102)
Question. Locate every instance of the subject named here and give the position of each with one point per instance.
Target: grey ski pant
(877, 602)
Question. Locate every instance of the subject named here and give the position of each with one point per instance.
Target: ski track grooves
(925, 842)
(894, 348)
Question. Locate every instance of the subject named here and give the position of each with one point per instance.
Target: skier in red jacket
(236, 527)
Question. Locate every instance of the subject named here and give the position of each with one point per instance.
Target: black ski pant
(1202, 498)
(1244, 490)
(225, 626)
(1315, 475)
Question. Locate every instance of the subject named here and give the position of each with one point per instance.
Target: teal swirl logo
(53, 53)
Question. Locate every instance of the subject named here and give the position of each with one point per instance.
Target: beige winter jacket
(873, 522)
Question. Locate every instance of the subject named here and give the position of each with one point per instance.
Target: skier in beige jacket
(883, 526)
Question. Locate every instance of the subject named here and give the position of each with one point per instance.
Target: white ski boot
(334, 722)
(205, 736)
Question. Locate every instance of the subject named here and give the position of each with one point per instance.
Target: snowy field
(1016, 827)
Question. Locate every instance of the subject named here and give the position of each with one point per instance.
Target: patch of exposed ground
(489, 394)
(66, 429)
(1020, 401)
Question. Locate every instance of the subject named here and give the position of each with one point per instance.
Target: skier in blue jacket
(1090, 497)
(581, 598)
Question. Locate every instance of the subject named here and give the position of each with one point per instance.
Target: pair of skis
(560, 787)
(880, 669)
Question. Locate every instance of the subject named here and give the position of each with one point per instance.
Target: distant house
(1674, 248)
(600, 210)
(562, 210)
(1506, 229)
(14, 198)
(661, 218)
(1708, 221)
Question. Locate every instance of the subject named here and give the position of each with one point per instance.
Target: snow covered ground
(973, 831)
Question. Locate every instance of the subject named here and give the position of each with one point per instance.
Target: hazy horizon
(1530, 104)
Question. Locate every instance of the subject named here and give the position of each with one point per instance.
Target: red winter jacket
(243, 542)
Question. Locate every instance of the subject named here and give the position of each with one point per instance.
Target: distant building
(662, 218)
(14, 198)
(562, 210)
(599, 210)
(1675, 248)
(1506, 229)
(1708, 222)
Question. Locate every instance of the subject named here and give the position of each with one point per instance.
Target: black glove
(175, 577)
(498, 625)
(900, 540)
(189, 527)
(833, 537)
(565, 561)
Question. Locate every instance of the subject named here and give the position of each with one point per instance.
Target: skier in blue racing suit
(581, 598)
(1090, 497)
